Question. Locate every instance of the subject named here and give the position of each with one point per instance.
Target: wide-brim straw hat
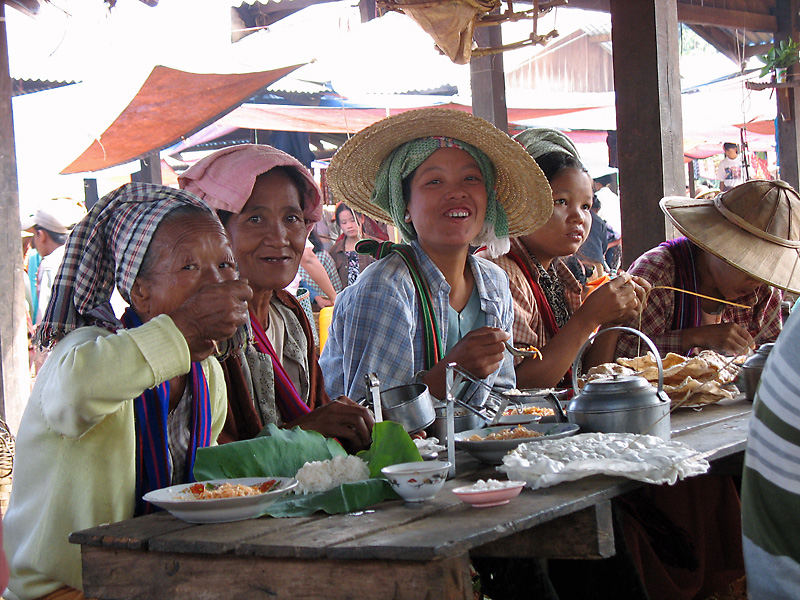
(754, 227)
(521, 187)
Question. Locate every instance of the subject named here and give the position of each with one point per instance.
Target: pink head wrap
(224, 180)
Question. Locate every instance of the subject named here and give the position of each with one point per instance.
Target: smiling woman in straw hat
(739, 247)
(446, 180)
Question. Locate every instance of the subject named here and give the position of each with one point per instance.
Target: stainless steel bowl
(463, 421)
(410, 405)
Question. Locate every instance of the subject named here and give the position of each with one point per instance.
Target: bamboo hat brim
(754, 227)
(521, 187)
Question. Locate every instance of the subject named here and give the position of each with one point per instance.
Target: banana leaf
(284, 451)
(345, 498)
(390, 445)
(279, 454)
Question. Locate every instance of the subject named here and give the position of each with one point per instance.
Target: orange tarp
(170, 105)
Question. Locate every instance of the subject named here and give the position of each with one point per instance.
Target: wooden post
(14, 381)
(649, 123)
(788, 99)
(487, 80)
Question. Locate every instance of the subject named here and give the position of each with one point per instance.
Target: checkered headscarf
(105, 248)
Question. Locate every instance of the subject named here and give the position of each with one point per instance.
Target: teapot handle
(576, 365)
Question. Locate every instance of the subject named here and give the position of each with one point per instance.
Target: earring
(407, 217)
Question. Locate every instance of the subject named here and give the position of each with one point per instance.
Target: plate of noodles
(221, 500)
(490, 444)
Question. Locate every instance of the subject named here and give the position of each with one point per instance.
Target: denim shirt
(377, 324)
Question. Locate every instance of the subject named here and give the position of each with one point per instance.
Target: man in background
(729, 169)
(51, 226)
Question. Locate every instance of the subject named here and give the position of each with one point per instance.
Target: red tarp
(170, 105)
(318, 119)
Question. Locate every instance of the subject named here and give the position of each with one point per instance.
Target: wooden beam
(788, 132)
(729, 19)
(702, 15)
(487, 79)
(14, 380)
(598, 5)
(649, 120)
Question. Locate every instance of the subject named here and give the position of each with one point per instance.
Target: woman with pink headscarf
(268, 202)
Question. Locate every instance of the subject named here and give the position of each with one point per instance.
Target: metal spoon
(522, 353)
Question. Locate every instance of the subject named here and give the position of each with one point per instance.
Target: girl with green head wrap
(549, 308)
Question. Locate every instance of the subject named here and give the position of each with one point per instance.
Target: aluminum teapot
(626, 403)
(751, 371)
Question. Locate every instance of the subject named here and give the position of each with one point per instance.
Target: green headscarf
(538, 141)
(404, 160)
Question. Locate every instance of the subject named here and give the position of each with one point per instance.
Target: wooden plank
(124, 574)
(463, 528)
(683, 420)
(729, 19)
(130, 534)
(223, 538)
(588, 533)
(649, 119)
(727, 438)
(14, 375)
(312, 540)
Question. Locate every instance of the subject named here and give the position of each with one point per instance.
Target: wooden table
(394, 551)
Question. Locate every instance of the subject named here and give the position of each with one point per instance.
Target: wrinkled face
(269, 235)
(348, 224)
(447, 201)
(187, 252)
(732, 283)
(569, 226)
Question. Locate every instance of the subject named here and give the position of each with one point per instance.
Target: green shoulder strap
(434, 349)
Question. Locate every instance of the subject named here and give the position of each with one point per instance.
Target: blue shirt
(377, 325)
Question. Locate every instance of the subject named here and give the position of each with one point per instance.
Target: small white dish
(181, 503)
(484, 498)
(417, 481)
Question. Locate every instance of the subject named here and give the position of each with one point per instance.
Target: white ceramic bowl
(417, 481)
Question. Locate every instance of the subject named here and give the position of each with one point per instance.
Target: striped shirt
(377, 324)
(771, 479)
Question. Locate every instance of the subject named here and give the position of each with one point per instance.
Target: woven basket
(7, 447)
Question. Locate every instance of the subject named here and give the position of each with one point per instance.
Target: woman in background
(318, 297)
(349, 263)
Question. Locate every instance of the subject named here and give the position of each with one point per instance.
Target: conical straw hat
(522, 189)
(754, 227)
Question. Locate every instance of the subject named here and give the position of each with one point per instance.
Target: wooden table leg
(588, 533)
